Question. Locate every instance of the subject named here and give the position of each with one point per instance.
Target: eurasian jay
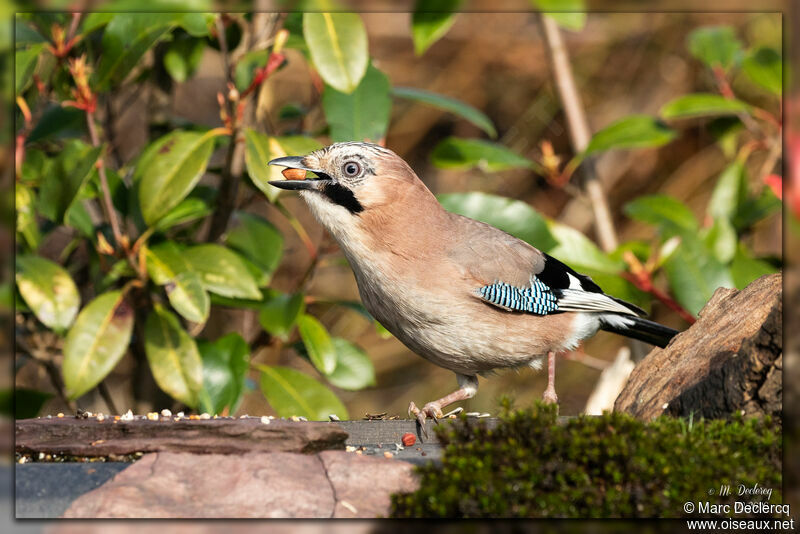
(460, 293)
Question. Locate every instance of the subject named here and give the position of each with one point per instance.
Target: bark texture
(730, 360)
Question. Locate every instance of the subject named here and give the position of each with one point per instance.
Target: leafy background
(157, 268)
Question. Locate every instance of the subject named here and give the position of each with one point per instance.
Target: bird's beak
(296, 162)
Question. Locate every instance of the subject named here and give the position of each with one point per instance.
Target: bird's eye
(351, 169)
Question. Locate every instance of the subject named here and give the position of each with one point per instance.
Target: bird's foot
(549, 396)
(432, 409)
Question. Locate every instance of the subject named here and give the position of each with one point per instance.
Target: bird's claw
(431, 409)
(549, 396)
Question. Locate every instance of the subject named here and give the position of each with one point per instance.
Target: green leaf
(25, 204)
(96, 342)
(246, 67)
(702, 105)
(58, 122)
(338, 46)
(24, 65)
(223, 271)
(190, 209)
(670, 215)
(24, 34)
(165, 261)
(195, 24)
(745, 268)
(169, 169)
(27, 403)
(726, 131)
(569, 14)
(318, 343)
(78, 217)
(362, 114)
(120, 269)
(579, 252)
(635, 131)
(291, 392)
(721, 240)
(173, 357)
(279, 313)
(716, 46)
(260, 149)
(462, 154)
(694, 274)
(353, 369)
(183, 57)
(512, 216)
(729, 193)
(764, 67)
(125, 40)
(257, 239)
(48, 290)
(69, 173)
(188, 296)
(756, 208)
(431, 20)
(446, 103)
(225, 363)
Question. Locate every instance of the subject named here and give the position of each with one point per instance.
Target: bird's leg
(467, 387)
(550, 396)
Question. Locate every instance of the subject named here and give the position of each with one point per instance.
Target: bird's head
(357, 177)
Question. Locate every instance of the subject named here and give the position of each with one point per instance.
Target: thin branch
(107, 204)
(51, 369)
(240, 119)
(579, 131)
(298, 228)
(106, 394)
(772, 158)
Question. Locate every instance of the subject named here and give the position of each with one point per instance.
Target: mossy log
(730, 360)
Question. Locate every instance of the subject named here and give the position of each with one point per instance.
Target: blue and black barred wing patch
(538, 298)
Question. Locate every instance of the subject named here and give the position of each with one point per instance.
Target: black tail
(643, 330)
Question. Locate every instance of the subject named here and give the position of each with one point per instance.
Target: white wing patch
(579, 300)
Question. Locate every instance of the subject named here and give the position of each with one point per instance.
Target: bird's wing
(511, 274)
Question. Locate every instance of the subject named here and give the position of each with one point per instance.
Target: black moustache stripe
(338, 194)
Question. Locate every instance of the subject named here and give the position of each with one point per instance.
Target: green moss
(531, 465)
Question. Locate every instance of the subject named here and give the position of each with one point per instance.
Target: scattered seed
(166, 413)
(387, 454)
(205, 416)
(452, 413)
(101, 417)
(59, 415)
(333, 417)
(349, 506)
(152, 416)
(409, 439)
(41, 456)
(350, 448)
(128, 416)
(359, 452)
(265, 420)
(180, 414)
